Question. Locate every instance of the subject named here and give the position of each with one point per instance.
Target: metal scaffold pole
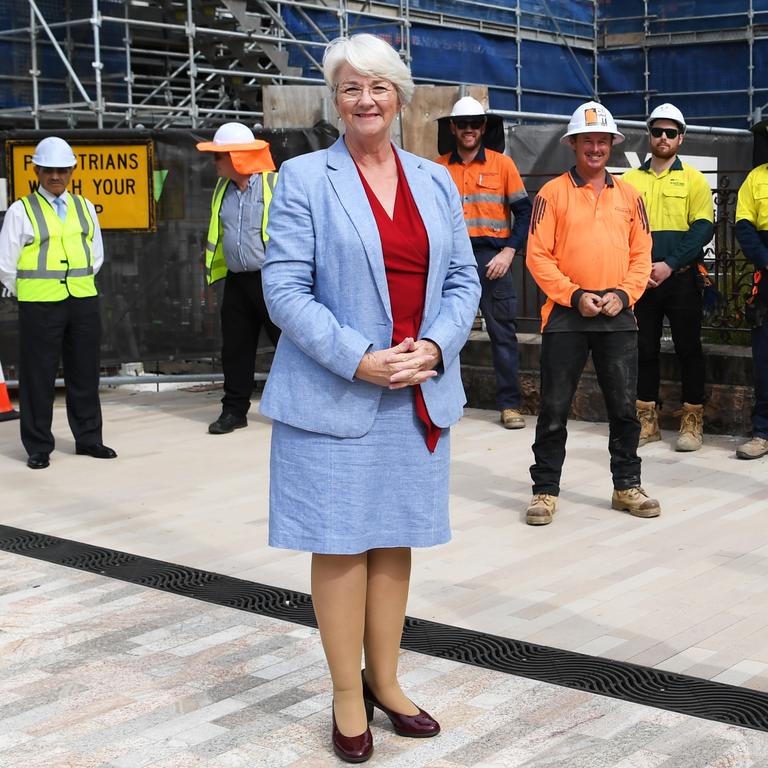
(595, 32)
(34, 71)
(190, 29)
(518, 59)
(128, 70)
(646, 62)
(97, 65)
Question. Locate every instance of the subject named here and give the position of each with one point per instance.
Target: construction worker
(679, 204)
(589, 250)
(237, 236)
(50, 252)
(752, 234)
(492, 191)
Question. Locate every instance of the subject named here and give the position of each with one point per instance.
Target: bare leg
(338, 595)
(389, 573)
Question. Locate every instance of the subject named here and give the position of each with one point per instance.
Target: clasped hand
(404, 365)
(590, 304)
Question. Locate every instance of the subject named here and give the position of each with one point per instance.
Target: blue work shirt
(241, 214)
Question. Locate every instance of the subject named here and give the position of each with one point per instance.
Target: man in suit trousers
(50, 252)
(237, 237)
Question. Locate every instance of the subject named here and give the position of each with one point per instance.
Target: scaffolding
(197, 63)
(710, 58)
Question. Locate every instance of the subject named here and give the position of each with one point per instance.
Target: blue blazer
(325, 286)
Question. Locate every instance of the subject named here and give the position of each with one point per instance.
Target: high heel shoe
(419, 726)
(351, 749)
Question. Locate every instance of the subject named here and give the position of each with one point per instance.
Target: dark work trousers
(243, 315)
(498, 304)
(563, 356)
(679, 298)
(760, 365)
(69, 330)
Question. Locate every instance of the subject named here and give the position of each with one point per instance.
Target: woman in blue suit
(371, 277)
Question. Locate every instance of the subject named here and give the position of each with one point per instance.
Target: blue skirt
(343, 496)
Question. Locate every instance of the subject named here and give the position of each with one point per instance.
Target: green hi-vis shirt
(679, 205)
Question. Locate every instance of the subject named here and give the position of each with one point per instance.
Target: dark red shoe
(351, 749)
(419, 726)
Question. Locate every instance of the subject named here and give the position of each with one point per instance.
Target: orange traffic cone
(7, 412)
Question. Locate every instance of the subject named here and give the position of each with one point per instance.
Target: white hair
(370, 56)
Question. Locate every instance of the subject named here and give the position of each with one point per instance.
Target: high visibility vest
(58, 263)
(215, 263)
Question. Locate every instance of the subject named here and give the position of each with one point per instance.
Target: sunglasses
(671, 133)
(219, 156)
(475, 123)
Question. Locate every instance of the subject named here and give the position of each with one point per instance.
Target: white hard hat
(592, 118)
(667, 112)
(233, 133)
(467, 107)
(54, 152)
(232, 137)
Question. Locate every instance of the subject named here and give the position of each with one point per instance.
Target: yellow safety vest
(58, 263)
(215, 263)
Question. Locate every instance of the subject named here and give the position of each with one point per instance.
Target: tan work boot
(541, 510)
(511, 418)
(691, 427)
(636, 502)
(648, 416)
(754, 449)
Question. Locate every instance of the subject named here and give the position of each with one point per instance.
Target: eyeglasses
(475, 123)
(671, 133)
(378, 92)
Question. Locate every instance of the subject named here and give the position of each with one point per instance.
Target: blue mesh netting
(548, 67)
(699, 68)
(621, 70)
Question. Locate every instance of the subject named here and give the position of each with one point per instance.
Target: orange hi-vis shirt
(489, 186)
(580, 241)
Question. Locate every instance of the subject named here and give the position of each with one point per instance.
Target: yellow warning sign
(116, 178)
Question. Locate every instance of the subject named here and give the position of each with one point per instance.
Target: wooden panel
(297, 106)
(428, 104)
(301, 106)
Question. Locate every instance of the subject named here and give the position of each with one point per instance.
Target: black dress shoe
(97, 451)
(38, 460)
(226, 423)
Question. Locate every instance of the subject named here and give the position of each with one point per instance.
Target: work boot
(511, 418)
(691, 427)
(636, 502)
(541, 510)
(754, 449)
(226, 423)
(648, 416)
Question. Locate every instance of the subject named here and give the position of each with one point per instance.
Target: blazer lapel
(423, 191)
(345, 180)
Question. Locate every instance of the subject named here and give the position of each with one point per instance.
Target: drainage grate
(641, 685)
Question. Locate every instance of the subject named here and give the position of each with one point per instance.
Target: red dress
(405, 246)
